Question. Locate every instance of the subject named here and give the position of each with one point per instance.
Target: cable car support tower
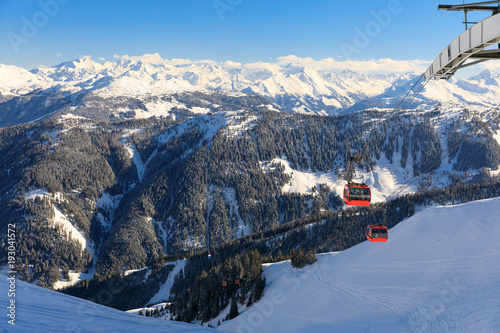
(470, 48)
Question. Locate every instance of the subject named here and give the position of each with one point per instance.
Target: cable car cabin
(237, 282)
(357, 195)
(377, 233)
(224, 284)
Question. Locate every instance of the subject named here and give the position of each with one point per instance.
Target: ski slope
(43, 310)
(439, 272)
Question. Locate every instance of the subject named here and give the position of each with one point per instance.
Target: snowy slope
(439, 272)
(43, 310)
(164, 293)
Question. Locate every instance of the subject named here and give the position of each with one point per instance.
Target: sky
(377, 35)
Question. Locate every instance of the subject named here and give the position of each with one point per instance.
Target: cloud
(490, 65)
(327, 64)
(102, 59)
(261, 66)
(380, 65)
(59, 55)
(179, 62)
(154, 58)
(230, 63)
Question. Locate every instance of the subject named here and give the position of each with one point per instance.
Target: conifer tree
(233, 312)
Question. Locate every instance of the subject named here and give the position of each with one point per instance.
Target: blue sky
(242, 31)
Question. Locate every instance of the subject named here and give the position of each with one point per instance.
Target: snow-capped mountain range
(146, 80)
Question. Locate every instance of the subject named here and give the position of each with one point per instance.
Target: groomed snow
(164, 293)
(439, 272)
(42, 310)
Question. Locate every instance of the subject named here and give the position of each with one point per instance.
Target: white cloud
(380, 65)
(261, 66)
(154, 58)
(230, 63)
(179, 62)
(59, 55)
(490, 65)
(326, 64)
(102, 59)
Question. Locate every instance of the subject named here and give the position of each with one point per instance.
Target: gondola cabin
(357, 195)
(224, 283)
(377, 233)
(237, 282)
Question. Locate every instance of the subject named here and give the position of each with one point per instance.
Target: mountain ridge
(84, 83)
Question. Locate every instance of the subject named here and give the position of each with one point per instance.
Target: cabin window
(365, 194)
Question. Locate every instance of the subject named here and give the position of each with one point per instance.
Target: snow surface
(161, 234)
(438, 272)
(134, 154)
(303, 181)
(41, 193)
(74, 278)
(70, 230)
(109, 203)
(42, 310)
(164, 293)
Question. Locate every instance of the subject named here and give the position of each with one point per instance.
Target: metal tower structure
(471, 44)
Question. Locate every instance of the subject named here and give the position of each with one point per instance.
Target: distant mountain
(142, 87)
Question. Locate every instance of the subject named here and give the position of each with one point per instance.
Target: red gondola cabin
(224, 284)
(377, 233)
(357, 195)
(236, 281)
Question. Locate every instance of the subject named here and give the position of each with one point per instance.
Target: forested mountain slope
(90, 195)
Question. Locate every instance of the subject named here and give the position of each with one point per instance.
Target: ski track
(322, 277)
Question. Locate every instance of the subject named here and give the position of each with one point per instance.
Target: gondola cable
(455, 146)
(339, 178)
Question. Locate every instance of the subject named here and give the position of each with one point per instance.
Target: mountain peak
(83, 63)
